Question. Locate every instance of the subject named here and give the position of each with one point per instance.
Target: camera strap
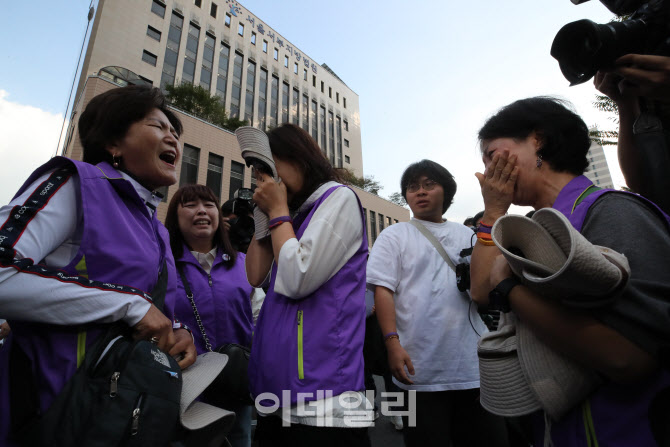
(440, 249)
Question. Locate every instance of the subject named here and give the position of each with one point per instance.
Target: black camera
(463, 276)
(584, 47)
(241, 226)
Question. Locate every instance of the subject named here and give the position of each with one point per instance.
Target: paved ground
(383, 434)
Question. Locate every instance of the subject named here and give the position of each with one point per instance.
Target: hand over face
(497, 183)
(270, 196)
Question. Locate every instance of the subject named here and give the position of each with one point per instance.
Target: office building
(259, 74)
(598, 171)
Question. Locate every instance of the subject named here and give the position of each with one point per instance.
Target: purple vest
(314, 343)
(614, 415)
(222, 299)
(121, 245)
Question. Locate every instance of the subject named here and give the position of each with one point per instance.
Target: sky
(428, 73)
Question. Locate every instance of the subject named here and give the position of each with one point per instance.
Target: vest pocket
(301, 371)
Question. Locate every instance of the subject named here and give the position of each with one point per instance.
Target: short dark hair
(293, 144)
(563, 135)
(108, 117)
(433, 171)
(185, 194)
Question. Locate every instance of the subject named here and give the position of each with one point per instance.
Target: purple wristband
(277, 220)
(483, 229)
(386, 337)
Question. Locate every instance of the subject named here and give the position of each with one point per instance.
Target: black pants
(270, 433)
(453, 418)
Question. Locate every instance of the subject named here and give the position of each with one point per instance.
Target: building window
(305, 113)
(237, 86)
(253, 38)
(322, 128)
(227, 20)
(330, 92)
(284, 103)
(347, 159)
(265, 46)
(222, 75)
(295, 67)
(344, 102)
(313, 80)
(381, 223)
(172, 50)
(207, 62)
(262, 98)
(286, 61)
(213, 10)
(315, 128)
(322, 87)
(158, 8)
(249, 98)
(346, 125)
(395, 220)
(240, 29)
(276, 54)
(153, 33)
(304, 74)
(191, 53)
(198, 3)
(215, 173)
(339, 141)
(331, 138)
(346, 143)
(236, 178)
(295, 107)
(389, 222)
(274, 101)
(189, 165)
(365, 223)
(373, 226)
(337, 97)
(149, 58)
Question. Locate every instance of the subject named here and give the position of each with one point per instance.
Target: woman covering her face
(309, 335)
(220, 312)
(81, 245)
(534, 151)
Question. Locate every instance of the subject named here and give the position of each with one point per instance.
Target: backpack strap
(431, 238)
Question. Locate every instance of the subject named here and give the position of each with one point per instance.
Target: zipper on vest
(301, 371)
(114, 384)
(135, 422)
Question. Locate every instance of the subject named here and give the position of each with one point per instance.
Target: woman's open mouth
(168, 157)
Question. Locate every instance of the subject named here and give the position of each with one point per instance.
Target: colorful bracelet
(482, 235)
(482, 224)
(390, 335)
(487, 242)
(483, 229)
(278, 221)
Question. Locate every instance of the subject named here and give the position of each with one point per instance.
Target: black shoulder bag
(231, 387)
(126, 392)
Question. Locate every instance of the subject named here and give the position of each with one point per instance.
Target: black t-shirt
(626, 224)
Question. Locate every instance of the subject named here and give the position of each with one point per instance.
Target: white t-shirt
(437, 325)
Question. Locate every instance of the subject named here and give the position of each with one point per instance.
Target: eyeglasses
(427, 185)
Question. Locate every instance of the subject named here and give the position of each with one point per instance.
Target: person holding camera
(429, 326)
(238, 219)
(218, 307)
(534, 151)
(639, 85)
